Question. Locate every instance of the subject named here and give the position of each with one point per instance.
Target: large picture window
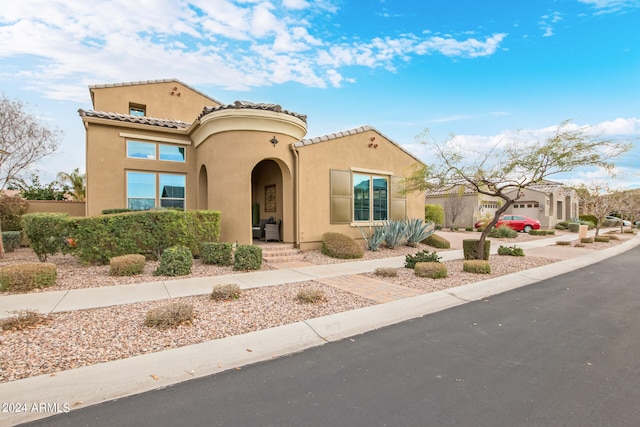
(142, 191)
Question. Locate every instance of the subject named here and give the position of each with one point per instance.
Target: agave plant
(417, 231)
(395, 233)
(375, 239)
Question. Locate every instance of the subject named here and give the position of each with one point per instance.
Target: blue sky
(480, 70)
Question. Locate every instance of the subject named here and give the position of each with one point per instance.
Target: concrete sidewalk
(80, 299)
(98, 383)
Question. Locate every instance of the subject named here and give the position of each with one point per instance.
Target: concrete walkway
(89, 385)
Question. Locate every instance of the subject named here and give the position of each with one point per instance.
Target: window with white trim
(153, 151)
(142, 193)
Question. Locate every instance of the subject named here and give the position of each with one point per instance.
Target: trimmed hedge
(115, 211)
(216, 253)
(542, 232)
(27, 276)
(510, 251)
(470, 248)
(436, 241)
(126, 265)
(589, 218)
(11, 240)
(247, 257)
(476, 266)
(432, 270)
(601, 239)
(574, 227)
(586, 240)
(338, 245)
(175, 261)
(46, 232)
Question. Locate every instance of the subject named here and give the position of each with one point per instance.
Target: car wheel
(527, 229)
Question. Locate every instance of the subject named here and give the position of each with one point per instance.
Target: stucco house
(164, 143)
(549, 202)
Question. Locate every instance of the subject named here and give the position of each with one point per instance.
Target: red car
(519, 223)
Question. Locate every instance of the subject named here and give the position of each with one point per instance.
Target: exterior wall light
(274, 141)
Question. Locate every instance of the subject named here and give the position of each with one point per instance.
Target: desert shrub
(629, 231)
(542, 232)
(611, 223)
(216, 253)
(590, 225)
(21, 319)
(423, 256)
(417, 231)
(480, 229)
(468, 229)
(375, 239)
(503, 232)
(560, 227)
(175, 261)
(226, 292)
(115, 211)
(470, 248)
(613, 237)
(563, 243)
(11, 240)
(586, 240)
(385, 272)
(170, 315)
(590, 218)
(574, 227)
(510, 251)
(12, 208)
(46, 232)
(338, 245)
(395, 233)
(436, 241)
(601, 239)
(126, 265)
(27, 276)
(434, 214)
(310, 296)
(248, 257)
(432, 270)
(477, 266)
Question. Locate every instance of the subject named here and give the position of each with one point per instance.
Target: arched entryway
(203, 189)
(267, 203)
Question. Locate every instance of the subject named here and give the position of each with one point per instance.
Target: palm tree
(76, 181)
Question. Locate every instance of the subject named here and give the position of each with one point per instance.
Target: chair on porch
(272, 231)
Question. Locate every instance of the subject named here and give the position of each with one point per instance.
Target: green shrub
(12, 208)
(542, 232)
(477, 266)
(338, 245)
(126, 265)
(385, 272)
(563, 224)
(423, 256)
(432, 270)
(589, 218)
(574, 227)
(563, 243)
(468, 229)
(586, 240)
(470, 248)
(216, 253)
(226, 292)
(590, 225)
(602, 239)
(611, 223)
(46, 232)
(27, 276)
(510, 251)
(248, 257)
(11, 240)
(115, 211)
(175, 261)
(560, 227)
(21, 319)
(434, 214)
(613, 237)
(436, 241)
(480, 229)
(170, 315)
(503, 232)
(310, 296)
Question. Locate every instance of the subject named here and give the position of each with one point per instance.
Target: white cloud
(235, 44)
(609, 6)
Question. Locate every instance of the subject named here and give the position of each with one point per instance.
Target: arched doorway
(266, 197)
(203, 189)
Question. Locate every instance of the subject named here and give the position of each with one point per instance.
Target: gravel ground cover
(69, 340)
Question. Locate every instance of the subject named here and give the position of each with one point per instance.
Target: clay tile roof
(448, 192)
(240, 105)
(144, 120)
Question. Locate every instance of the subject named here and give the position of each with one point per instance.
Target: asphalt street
(561, 352)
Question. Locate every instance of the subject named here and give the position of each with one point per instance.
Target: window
(370, 197)
(142, 194)
(137, 110)
(141, 150)
(489, 205)
(147, 151)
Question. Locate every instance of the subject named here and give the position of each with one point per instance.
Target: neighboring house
(163, 143)
(549, 202)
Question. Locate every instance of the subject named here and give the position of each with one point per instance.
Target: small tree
(454, 206)
(34, 190)
(24, 140)
(76, 181)
(599, 200)
(504, 170)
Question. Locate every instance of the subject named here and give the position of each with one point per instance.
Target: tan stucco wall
(107, 164)
(73, 208)
(156, 97)
(344, 153)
